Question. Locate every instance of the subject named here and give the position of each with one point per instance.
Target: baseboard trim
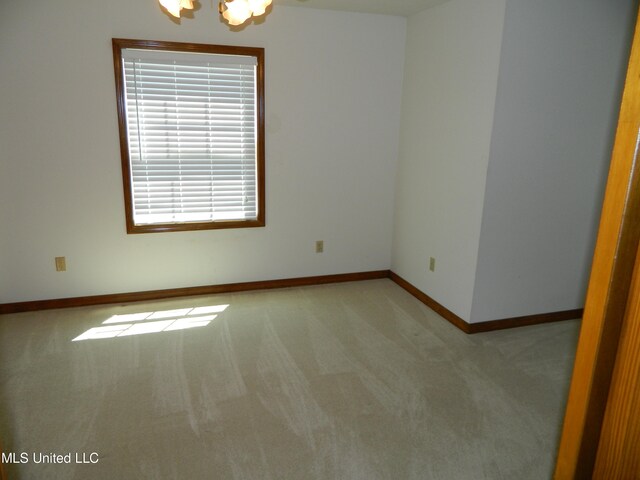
(37, 305)
(526, 320)
(441, 310)
(489, 326)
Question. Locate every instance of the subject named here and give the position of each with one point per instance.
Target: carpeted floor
(347, 381)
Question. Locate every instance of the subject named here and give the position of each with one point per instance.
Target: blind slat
(192, 135)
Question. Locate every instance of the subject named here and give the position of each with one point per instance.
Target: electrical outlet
(61, 264)
(319, 246)
(432, 264)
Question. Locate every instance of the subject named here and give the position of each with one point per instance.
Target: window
(191, 122)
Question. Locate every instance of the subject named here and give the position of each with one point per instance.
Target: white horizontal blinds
(192, 136)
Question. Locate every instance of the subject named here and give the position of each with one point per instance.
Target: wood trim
(483, 326)
(526, 320)
(608, 290)
(619, 448)
(188, 291)
(441, 310)
(122, 43)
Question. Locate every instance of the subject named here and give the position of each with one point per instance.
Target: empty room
(315, 239)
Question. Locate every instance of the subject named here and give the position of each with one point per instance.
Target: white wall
(333, 96)
(451, 73)
(561, 73)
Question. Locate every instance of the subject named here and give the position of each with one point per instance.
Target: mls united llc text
(39, 457)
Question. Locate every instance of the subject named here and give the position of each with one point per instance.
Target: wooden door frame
(608, 291)
(619, 448)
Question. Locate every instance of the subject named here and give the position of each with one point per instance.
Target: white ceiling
(387, 7)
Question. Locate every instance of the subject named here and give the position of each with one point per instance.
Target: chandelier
(235, 12)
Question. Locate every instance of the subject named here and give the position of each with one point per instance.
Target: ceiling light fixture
(235, 12)
(174, 6)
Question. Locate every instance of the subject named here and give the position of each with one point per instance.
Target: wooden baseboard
(526, 320)
(484, 326)
(188, 291)
(286, 283)
(441, 310)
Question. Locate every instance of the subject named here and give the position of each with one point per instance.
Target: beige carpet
(346, 381)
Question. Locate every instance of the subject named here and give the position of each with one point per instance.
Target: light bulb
(172, 6)
(188, 4)
(237, 12)
(258, 7)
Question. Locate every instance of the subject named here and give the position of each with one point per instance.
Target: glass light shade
(188, 4)
(237, 12)
(258, 7)
(172, 6)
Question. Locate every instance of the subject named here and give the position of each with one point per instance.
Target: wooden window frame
(118, 45)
